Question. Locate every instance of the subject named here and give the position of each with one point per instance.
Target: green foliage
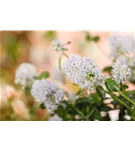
(111, 85)
(50, 35)
(42, 106)
(89, 38)
(43, 75)
(108, 69)
(101, 92)
(124, 87)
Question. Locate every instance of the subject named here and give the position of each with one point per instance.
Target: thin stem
(65, 54)
(127, 98)
(60, 62)
(119, 100)
(79, 112)
(92, 111)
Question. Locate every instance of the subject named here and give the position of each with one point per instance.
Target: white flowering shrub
(99, 97)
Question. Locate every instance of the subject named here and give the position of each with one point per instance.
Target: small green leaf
(123, 87)
(88, 37)
(111, 85)
(96, 39)
(44, 75)
(42, 106)
(107, 69)
(101, 92)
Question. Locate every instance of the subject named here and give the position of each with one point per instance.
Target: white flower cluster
(47, 93)
(57, 45)
(25, 75)
(120, 70)
(83, 72)
(121, 44)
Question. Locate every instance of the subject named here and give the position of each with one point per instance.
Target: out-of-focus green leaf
(95, 38)
(42, 106)
(44, 75)
(50, 35)
(101, 92)
(107, 69)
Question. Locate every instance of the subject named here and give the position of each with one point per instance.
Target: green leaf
(132, 81)
(111, 85)
(83, 100)
(96, 39)
(107, 69)
(50, 35)
(42, 106)
(88, 37)
(61, 112)
(123, 87)
(101, 92)
(44, 75)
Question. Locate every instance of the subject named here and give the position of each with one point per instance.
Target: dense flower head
(83, 72)
(47, 93)
(25, 75)
(120, 71)
(57, 45)
(120, 44)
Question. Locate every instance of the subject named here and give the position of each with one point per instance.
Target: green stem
(79, 112)
(65, 54)
(60, 62)
(119, 100)
(127, 98)
(92, 111)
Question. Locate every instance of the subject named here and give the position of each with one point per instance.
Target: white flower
(114, 114)
(121, 44)
(57, 45)
(83, 72)
(120, 71)
(126, 117)
(25, 75)
(47, 93)
(103, 113)
(55, 118)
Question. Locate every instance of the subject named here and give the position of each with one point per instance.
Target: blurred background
(34, 47)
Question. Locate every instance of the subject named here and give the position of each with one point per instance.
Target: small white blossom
(57, 45)
(114, 114)
(47, 93)
(126, 117)
(25, 75)
(55, 118)
(120, 44)
(103, 113)
(83, 72)
(120, 71)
